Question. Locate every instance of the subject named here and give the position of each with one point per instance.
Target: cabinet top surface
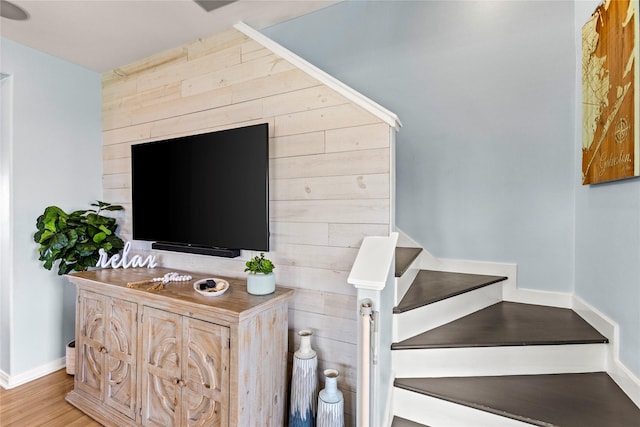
(235, 302)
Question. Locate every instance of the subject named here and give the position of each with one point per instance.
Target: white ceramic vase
(261, 284)
(304, 384)
(330, 402)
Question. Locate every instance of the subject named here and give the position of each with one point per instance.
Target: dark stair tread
(404, 258)
(585, 399)
(508, 324)
(433, 286)
(401, 422)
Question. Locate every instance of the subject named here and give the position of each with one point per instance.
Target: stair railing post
(372, 277)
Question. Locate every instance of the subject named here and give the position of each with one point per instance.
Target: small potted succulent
(260, 280)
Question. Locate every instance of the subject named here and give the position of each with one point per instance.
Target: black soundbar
(200, 250)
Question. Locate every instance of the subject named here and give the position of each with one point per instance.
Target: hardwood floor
(41, 403)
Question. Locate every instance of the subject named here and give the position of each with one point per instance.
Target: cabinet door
(107, 340)
(161, 374)
(121, 342)
(205, 394)
(91, 324)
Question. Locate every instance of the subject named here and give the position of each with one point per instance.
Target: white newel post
(373, 277)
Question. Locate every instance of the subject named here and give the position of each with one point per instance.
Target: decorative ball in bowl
(211, 286)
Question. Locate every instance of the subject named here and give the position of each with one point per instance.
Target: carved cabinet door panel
(185, 371)
(89, 373)
(121, 342)
(205, 394)
(161, 374)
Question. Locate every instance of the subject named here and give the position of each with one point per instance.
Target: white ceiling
(104, 34)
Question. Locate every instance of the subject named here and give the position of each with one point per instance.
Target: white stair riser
(403, 283)
(509, 360)
(441, 413)
(414, 322)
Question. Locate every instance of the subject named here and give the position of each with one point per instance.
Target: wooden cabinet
(176, 358)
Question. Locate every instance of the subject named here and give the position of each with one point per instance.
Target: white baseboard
(510, 290)
(4, 379)
(11, 381)
(625, 379)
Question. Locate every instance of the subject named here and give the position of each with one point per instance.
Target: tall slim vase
(330, 402)
(304, 384)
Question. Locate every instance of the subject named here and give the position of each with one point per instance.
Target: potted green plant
(260, 280)
(74, 239)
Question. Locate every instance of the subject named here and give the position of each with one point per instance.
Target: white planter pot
(261, 284)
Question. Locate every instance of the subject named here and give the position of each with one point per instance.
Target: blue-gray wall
(488, 160)
(608, 241)
(57, 159)
(485, 160)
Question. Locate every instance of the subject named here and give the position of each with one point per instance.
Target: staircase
(464, 357)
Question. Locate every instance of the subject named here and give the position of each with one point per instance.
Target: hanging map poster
(610, 83)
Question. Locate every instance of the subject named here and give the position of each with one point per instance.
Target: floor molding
(10, 381)
(617, 370)
(4, 379)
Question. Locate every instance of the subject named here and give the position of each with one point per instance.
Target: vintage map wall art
(610, 84)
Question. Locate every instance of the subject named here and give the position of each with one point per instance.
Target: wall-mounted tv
(206, 193)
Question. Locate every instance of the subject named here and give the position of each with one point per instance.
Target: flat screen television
(206, 193)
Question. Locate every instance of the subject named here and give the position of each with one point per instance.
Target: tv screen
(209, 190)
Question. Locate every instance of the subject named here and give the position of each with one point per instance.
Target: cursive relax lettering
(116, 262)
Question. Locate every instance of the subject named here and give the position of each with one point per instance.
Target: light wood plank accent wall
(329, 169)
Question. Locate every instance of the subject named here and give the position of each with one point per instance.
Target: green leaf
(72, 235)
(78, 214)
(116, 242)
(54, 218)
(48, 263)
(105, 230)
(88, 261)
(65, 268)
(106, 206)
(99, 237)
(46, 235)
(40, 222)
(114, 208)
(59, 241)
(85, 249)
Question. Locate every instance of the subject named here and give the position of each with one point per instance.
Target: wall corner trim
(369, 105)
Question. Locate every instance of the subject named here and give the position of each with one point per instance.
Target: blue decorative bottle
(304, 384)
